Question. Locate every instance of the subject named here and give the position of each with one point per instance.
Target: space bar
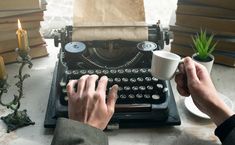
(133, 107)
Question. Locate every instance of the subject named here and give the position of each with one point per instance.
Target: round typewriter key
(142, 70)
(128, 70)
(90, 72)
(160, 86)
(155, 97)
(146, 96)
(148, 79)
(142, 88)
(139, 79)
(98, 71)
(154, 79)
(122, 96)
(135, 88)
(68, 72)
(64, 90)
(139, 96)
(165, 90)
(150, 88)
(75, 72)
(125, 80)
(62, 84)
(105, 72)
(133, 80)
(82, 71)
(127, 88)
(110, 80)
(121, 71)
(135, 71)
(120, 88)
(113, 71)
(66, 98)
(117, 80)
(131, 96)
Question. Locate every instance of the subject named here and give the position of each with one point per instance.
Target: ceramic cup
(164, 64)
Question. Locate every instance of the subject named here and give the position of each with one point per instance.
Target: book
(220, 56)
(208, 23)
(37, 16)
(19, 4)
(8, 35)
(207, 11)
(14, 26)
(11, 45)
(223, 43)
(35, 52)
(227, 4)
(178, 28)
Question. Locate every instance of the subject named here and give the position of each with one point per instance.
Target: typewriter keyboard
(136, 86)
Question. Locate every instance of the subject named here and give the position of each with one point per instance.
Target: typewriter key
(113, 71)
(146, 96)
(121, 71)
(64, 90)
(128, 70)
(105, 72)
(62, 83)
(68, 72)
(155, 97)
(131, 96)
(154, 79)
(142, 88)
(82, 71)
(139, 96)
(160, 86)
(150, 88)
(110, 80)
(118, 80)
(125, 80)
(165, 90)
(120, 88)
(148, 79)
(66, 98)
(122, 96)
(135, 71)
(139, 79)
(133, 80)
(135, 88)
(75, 72)
(127, 88)
(142, 70)
(98, 71)
(90, 72)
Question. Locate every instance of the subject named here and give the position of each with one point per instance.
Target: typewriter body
(143, 101)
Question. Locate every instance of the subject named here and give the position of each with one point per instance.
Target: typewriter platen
(143, 101)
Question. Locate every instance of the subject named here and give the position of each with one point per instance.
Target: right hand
(194, 80)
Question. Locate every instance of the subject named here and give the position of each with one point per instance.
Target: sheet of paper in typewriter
(109, 19)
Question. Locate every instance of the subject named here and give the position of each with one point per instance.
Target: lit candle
(2, 69)
(22, 38)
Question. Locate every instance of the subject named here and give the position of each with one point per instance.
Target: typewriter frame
(165, 114)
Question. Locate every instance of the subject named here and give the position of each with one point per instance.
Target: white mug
(164, 64)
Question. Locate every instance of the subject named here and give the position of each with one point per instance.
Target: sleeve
(226, 131)
(70, 132)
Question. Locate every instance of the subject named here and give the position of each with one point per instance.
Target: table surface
(37, 89)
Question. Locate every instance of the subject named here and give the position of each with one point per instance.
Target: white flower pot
(207, 64)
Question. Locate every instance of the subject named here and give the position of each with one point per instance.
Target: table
(37, 89)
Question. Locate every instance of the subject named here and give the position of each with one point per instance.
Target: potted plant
(203, 47)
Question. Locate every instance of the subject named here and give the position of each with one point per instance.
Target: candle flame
(19, 24)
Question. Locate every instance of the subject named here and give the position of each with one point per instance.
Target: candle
(22, 38)
(2, 69)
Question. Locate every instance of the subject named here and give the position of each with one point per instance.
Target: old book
(223, 43)
(227, 4)
(19, 4)
(13, 26)
(8, 35)
(220, 56)
(178, 28)
(207, 11)
(11, 45)
(38, 16)
(35, 52)
(208, 23)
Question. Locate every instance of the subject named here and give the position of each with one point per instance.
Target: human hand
(194, 80)
(88, 103)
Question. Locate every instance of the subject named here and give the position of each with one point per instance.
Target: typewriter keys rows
(135, 85)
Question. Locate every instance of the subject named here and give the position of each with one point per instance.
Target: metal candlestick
(18, 118)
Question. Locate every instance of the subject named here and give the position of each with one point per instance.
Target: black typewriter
(143, 101)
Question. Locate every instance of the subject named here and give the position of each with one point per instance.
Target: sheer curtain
(59, 14)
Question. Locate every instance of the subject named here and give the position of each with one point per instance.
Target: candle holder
(18, 118)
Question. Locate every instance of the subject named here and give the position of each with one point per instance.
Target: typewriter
(143, 101)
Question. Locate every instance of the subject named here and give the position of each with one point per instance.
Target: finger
(182, 91)
(90, 83)
(179, 79)
(181, 68)
(190, 69)
(81, 84)
(102, 85)
(112, 98)
(70, 87)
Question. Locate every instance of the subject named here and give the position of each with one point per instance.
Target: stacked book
(217, 17)
(30, 13)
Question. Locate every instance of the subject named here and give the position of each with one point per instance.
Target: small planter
(208, 63)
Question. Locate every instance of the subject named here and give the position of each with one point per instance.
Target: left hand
(88, 103)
